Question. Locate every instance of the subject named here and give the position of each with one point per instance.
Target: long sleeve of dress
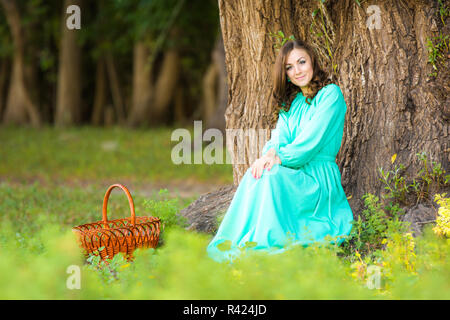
(279, 136)
(325, 123)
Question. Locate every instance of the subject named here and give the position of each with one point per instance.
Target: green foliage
(167, 210)
(380, 221)
(6, 45)
(41, 22)
(35, 238)
(280, 39)
(438, 48)
(395, 182)
(444, 12)
(381, 241)
(432, 173)
(191, 27)
(442, 227)
(181, 270)
(402, 188)
(359, 2)
(108, 269)
(370, 230)
(322, 29)
(111, 28)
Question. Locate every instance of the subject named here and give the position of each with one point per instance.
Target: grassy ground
(52, 180)
(61, 175)
(97, 154)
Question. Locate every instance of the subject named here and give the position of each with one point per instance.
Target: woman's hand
(265, 162)
(272, 161)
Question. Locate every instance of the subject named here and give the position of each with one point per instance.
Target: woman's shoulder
(330, 89)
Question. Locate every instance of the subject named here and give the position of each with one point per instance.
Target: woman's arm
(278, 137)
(325, 123)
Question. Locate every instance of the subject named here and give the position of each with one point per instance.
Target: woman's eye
(302, 62)
(288, 68)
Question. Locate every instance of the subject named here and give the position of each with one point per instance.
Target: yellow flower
(442, 227)
(393, 158)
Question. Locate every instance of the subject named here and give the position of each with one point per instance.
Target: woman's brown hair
(284, 91)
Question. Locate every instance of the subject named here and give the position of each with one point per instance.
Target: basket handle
(130, 201)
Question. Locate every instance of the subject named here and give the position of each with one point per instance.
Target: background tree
(20, 109)
(131, 62)
(215, 88)
(6, 49)
(68, 98)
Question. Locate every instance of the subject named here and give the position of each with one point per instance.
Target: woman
(293, 193)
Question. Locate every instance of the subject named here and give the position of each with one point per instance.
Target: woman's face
(299, 67)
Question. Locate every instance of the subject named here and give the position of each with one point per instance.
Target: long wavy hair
(284, 91)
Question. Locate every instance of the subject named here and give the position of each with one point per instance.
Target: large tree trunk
(393, 106)
(68, 97)
(19, 107)
(249, 57)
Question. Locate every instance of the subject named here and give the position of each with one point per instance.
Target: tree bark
(100, 98)
(68, 96)
(142, 86)
(249, 57)
(19, 107)
(165, 86)
(116, 92)
(393, 106)
(202, 215)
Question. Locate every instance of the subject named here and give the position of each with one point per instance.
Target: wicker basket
(120, 235)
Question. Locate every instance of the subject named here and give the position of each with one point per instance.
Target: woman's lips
(300, 77)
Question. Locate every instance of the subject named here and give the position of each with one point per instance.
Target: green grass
(37, 248)
(180, 269)
(29, 207)
(40, 203)
(95, 154)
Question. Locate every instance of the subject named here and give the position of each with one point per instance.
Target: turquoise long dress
(300, 201)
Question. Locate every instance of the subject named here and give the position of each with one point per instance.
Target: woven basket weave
(120, 235)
